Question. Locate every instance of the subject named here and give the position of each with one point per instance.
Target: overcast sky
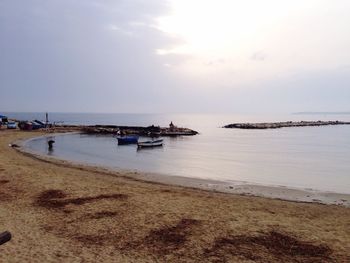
(176, 56)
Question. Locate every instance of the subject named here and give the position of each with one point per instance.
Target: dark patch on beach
(4, 197)
(166, 191)
(9, 192)
(54, 199)
(4, 181)
(102, 214)
(161, 241)
(168, 238)
(48, 228)
(92, 216)
(52, 194)
(103, 238)
(271, 246)
(91, 239)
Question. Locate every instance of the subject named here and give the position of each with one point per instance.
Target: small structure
(40, 123)
(31, 125)
(47, 119)
(172, 127)
(3, 118)
(25, 125)
(37, 124)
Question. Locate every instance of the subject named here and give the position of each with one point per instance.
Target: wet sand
(61, 212)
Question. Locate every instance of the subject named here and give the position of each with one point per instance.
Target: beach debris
(55, 199)
(5, 237)
(168, 238)
(280, 246)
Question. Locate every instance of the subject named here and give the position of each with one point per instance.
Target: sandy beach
(63, 212)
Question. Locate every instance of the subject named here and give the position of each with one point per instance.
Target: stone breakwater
(152, 130)
(138, 130)
(277, 125)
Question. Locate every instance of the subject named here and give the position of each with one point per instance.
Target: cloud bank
(113, 56)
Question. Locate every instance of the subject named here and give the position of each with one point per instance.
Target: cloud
(93, 55)
(120, 30)
(110, 56)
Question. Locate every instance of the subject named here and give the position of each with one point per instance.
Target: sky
(175, 56)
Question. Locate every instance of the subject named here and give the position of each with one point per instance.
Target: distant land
(322, 113)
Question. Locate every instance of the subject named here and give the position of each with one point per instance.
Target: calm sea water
(307, 157)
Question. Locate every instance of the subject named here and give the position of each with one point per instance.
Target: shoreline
(233, 187)
(57, 211)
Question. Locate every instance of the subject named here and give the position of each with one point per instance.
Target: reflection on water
(309, 157)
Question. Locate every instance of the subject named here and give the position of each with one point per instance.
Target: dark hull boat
(150, 144)
(123, 140)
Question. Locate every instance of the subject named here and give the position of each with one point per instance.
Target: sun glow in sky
(220, 26)
(257, 38)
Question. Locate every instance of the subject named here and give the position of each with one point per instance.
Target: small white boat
(154, 143)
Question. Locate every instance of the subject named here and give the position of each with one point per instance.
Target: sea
(312, 158)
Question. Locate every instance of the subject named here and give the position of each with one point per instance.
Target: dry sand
(59, 212)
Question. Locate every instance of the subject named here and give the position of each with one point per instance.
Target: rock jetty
(277, 125)
(153, 131)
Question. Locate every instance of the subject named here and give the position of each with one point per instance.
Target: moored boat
(122, 140)
(155, 143)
